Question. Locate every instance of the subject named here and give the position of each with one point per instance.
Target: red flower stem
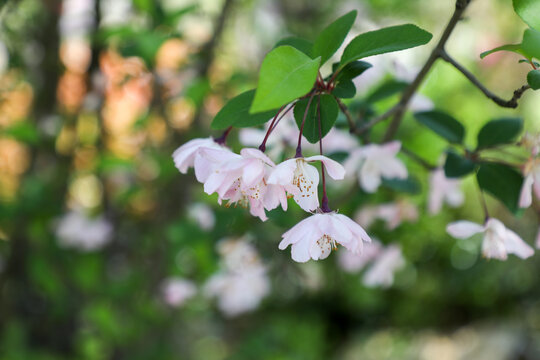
(324, 203)
(262, 147)
(223, 138)
(299, 146)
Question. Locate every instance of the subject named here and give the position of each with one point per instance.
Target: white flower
(176, 291)
(375, 162)
(301, 179)
(77, 230)
(203, 215)
(498, 240)
(531, 171)
(241, 179)
(315, 237)
(242, 282)
(443, 189)
(352, 263)
(387, 262)
(531, 142)
(184, 156)
(393, 214)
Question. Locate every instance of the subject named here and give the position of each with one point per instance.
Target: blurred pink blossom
(393, 214)
(203, 215)
(443, 189)
(531, 171)
(386, 263)
(498, 240)
(77, 230)
(176, 291)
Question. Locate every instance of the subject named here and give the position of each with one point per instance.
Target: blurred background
(108, 252)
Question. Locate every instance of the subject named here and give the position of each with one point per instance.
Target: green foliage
(531, 43)
(236, 113)
(351, 70)
(301, 44)
(385, 40)
(411, 185)
(345, 89)
(500, 131)
(457, 166)
(386, 90)
(286, 74)
(509, 47)
(22, 131)
(331, 38)
(529, 11)
(533, 79)
(442, 124)
(501, 181)
(328, 111)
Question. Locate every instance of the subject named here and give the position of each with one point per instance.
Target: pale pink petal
(525, 197)
(334, 169)
(515, 245)
(252, 173)
(307, 178)
(391, 148)
(464, 229)
(283, 173)
(370, 178)
(256, 154)
(393, 168)
(537, 242)
(493, 246)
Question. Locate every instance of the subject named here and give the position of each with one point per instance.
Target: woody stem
(324, 203)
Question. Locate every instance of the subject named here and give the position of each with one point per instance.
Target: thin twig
(461, 5)
(512, 103)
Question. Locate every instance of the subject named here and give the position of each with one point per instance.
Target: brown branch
(512, 103)
(461, 6)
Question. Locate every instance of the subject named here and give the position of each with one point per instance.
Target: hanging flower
(176, 291)
(531, 171)
(203, 215)
(242, 282)
(386, 263)
(443, 189)
(393, 214)
(241, 179)
(498, 240)
(184, 156)
(531, 142)
(301, 179)
(352, 263)
(374, 162)
(315, 237)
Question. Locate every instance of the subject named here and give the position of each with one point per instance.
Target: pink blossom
(301, 179)
(315, 237)
(531, 171)
(387, 262)
(531, 142)
(374, 162)
(498, 240)
(176, 291)
(241, 179)
(203, 215)
(443, 189)
(352, 263)
(537, 242)
(184, 156)
(242, 282)
(75, 229)
(393, 214)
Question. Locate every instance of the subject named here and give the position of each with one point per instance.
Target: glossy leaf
(351, 70)
(457, 165)
(442, 124)
(531, 43)
(501, 181)
(509, 47)
(286, 74)
(331, 38)
(500, 131)
(529, 11)
(394, 38)
(345, 89)
(301, 44)
(533, 79)
(329, 113)
(236, 113)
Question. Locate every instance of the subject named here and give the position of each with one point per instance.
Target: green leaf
(442, 124)
(385, 40)
(531, 43)
(236, 113)
(345, 89)
(329, 113)
(286, 74)
(508, 47)
(528, 11)
(410, 185)
(331, 38)
(386, 90)
(533, 79)
(301, 44)
(521, 61)
(197, 91)
(351, 70)
(457, 166)
(501, 181)
(500, 131)
(22, 131)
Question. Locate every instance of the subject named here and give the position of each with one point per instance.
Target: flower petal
(525, 197)
(334, 169)
(283, 173)
(515, 245)
(464, 229)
